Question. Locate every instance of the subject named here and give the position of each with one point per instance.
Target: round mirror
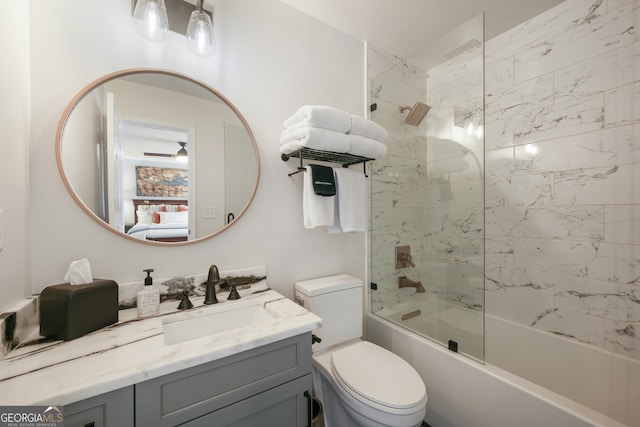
(157, 157)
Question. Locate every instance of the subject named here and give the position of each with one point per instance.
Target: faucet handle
(185, 304)
(234, 293)
(406, 258)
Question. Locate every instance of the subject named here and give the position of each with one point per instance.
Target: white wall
(82, 132)
(270, 60)
(14, 161)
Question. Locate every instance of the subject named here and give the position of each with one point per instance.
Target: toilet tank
(337, 300)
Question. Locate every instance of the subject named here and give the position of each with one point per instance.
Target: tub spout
(404, 282)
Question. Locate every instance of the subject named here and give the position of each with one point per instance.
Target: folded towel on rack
(317, 210)
(349, 210)
(318, 135)
(366, 147)
(311, 137)
(320, 116)
(365, 127)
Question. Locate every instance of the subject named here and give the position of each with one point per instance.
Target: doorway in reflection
(153, 171)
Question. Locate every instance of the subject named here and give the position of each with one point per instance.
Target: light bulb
(200, 34)
(470, 129)
(151, 19)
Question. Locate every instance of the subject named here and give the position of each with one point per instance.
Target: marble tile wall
(562, 161)
(397, 180)
(562, 167)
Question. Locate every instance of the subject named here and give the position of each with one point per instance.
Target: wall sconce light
(151, 19)
(200, 32)
(154, 17)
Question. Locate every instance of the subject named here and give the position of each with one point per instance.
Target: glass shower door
(427, 194)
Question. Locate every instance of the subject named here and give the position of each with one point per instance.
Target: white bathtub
(440, 321)
(463, 392)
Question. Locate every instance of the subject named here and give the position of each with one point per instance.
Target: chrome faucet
(213, 278)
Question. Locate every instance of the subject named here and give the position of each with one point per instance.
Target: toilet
(357, 382)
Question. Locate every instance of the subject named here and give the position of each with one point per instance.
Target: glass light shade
(200, 34)
(151, 19)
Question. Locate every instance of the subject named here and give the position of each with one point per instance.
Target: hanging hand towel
(324, 181)
(350, 209)
(320, 116)
(317, 210)
(364, 127)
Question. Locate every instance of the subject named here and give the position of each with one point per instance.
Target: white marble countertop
(131, 351)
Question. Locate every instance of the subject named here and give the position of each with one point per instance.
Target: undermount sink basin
(212, 320)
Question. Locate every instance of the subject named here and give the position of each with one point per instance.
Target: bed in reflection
(160, 220)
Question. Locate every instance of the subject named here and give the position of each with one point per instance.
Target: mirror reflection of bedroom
(153, 185)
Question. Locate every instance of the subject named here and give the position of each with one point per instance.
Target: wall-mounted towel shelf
(344, 159)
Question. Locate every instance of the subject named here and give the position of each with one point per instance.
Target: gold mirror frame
(134, 71)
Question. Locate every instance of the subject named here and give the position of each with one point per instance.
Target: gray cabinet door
(283, 406)
(109, 409)
(177, 398)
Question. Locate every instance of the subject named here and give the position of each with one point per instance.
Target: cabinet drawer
(182, 396)
(283, 406)
(114, 409)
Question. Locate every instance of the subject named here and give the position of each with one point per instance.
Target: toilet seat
(378, 378)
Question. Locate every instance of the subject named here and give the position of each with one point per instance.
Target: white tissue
(79, 272)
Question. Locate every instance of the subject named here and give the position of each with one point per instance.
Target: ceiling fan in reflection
(181, 154)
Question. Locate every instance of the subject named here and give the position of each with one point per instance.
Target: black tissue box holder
(70, 311)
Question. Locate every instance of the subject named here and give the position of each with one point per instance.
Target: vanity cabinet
(109, 409)
(266, 386)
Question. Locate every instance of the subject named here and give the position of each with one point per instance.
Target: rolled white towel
(366, 147)
(317, 138)
(368, 128)
(320, 116)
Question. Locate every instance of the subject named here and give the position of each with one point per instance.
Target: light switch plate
(210, 213)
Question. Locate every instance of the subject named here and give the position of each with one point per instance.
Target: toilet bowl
(358, 382)
(362, 384)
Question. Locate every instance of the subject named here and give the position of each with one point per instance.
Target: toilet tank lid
(323, 285)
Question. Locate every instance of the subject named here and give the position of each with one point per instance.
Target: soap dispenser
(148, 298)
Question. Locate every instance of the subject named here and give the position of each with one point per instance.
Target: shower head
(417, 113)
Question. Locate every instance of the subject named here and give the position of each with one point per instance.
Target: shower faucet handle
(403, 257)
(407, 259)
